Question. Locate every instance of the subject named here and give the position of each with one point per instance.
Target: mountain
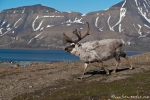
(41, 27)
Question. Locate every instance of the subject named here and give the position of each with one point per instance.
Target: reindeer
(95, 51)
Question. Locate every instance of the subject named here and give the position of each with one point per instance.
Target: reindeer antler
(87, 33)
(78, 34)
(66, 39)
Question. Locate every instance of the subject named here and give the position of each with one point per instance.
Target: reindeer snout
(66, 49)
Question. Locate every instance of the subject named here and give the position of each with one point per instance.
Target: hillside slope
(38, 26)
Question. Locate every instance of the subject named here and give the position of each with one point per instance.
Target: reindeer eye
(73, 45)
(79, 45)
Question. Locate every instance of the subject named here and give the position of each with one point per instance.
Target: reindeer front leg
(85, 67)
(126, 57)
(128, 62)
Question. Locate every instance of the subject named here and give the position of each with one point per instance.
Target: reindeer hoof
(113, 72)
(131, 68)
(81, 77)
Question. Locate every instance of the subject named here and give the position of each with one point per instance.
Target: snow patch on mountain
(33, 24)
(23, 10)
(96, 22)
(123, 3)
(49, 26)
(120, 30)
(108, 22)
(143, 14)
(41, 28)
(147, 26)
(2, 34)
(35, 37)
(17, 22)
(68, 24)
(76, 20)
(122, 15)
(142, 36)
(136, 2)
(147, 3)
(8, 25)
(96, 25)
(1, 30)
(83, 15)
(3, 23)
(138, 29)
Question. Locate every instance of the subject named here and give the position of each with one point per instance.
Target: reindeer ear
(79, 44)
(64, 41)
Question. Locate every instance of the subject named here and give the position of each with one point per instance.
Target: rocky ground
(18, 80)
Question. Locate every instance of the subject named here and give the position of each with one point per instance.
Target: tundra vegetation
(125, 84)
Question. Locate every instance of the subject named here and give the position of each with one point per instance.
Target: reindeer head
(74, 43)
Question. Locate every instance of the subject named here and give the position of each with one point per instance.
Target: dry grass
(126, 89)
(58, 81)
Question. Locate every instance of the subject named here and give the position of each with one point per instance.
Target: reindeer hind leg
(117, 57)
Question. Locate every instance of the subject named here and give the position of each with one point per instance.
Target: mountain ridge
(27, 9)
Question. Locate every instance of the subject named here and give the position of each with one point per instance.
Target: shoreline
(54, 49)
(27, 49)
(43, 56)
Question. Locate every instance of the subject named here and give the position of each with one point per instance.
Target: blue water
(40, 55)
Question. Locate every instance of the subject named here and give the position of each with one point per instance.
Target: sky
(82, 6)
